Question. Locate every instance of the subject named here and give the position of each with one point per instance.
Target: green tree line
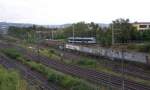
(124, 32)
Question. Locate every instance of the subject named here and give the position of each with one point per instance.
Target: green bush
(10, 80)
(51, 51)
(86, 62)
(144, 48)
(13, 53)
(140, 47)
(59, 78)
(132, 46)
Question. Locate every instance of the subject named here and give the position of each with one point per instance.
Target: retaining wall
(112, 53)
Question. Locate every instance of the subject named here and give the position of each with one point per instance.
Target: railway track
(131, 70)
(33, 78)
(91, 75)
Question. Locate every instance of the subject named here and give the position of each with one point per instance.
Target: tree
(146, 35)
(124, 31)
(93, 29)
(81, 29)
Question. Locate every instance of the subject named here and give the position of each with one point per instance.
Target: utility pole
(113, 40)
(122, 61)
(52, 35)
(38, 41)
(73, 32)
(122, 65)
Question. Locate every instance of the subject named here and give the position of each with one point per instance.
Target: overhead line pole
(73, 32)
(52, 35)
(122, 65)
(113, 40)
(122, 61)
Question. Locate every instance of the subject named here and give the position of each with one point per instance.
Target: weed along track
(63, 80)
(88, 74)
(131, 69)
(34, 78)
(91, 75)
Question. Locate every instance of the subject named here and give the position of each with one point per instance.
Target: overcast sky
(68, 11)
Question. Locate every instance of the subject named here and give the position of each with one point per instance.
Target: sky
(71, 11)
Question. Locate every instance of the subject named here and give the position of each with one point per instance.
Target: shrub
(64, 80)
(10, 80)
(86, 62)
(144, 48)
(52, 77)
(69, 82)
(141, 47)
(13, 53)
(132, 46)
(51, 51)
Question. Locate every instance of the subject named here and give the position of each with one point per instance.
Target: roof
(81, 38)
(141, 23)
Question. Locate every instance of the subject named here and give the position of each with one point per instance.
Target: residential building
(142, 25)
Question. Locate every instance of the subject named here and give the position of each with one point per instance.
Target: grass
(90, 63)
(102, 68)
(11, 80)
(145, 47)
(86, 62)
(64, 80)
(50, 53)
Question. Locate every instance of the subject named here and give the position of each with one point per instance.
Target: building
(3, 29)
(142, 25)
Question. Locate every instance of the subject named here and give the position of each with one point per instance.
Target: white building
(142, 25)
(3, 29)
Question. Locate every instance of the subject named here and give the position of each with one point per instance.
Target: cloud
(65, 11)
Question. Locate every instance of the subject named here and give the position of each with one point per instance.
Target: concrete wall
(112, 53)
